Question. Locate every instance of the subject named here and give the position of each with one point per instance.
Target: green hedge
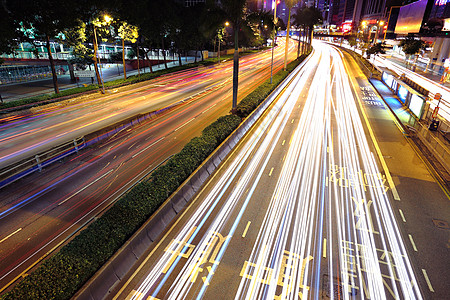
(63, 274)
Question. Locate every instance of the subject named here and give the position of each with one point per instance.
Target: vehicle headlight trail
(328, 225)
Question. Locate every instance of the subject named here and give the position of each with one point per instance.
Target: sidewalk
(16, 91)
(437, 147)
(419, 69)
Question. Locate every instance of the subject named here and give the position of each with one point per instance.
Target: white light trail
(329, 221)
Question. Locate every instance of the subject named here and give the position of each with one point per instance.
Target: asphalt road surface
(306, 206)
(39, 212)
(24, 135)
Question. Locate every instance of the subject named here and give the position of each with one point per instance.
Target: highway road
(39, 212)
(23, 136)
(306, 207)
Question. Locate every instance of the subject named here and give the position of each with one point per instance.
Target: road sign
(435, 112)
(437, 96)
(84, 73)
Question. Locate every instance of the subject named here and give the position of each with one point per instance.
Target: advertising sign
(410, 17)
(84, 73)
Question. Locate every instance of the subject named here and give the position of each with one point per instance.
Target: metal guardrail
(35, 163)
(30, 165)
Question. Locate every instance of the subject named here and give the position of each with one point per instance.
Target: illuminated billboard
(410, 17)
(446, 25)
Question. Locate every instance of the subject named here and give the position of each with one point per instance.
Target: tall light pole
(380, 23)
(389, 18)
(99, 80)
(275, 21)
(107, 20)
(287, 39)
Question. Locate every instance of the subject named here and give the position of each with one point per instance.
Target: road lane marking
(401, 214)
(105, 166)
(152, 144)
(208, 108)
(270, 173)
(185, 124)
(79, 191)
(10, 235)
(377, 148)
(284, 141)
(324, 254)
(132, 146)
(412, 242)
(292, 121)
(427, 280)
(246, 229)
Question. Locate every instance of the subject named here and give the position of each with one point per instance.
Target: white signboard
(85, 73)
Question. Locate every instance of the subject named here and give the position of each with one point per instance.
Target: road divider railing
(35, 163)
(142, 213)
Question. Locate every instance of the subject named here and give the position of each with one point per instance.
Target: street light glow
(108, 19)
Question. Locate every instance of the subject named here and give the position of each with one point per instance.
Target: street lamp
(379, 25)
(226, 25)
(107, 20)
(274, 38)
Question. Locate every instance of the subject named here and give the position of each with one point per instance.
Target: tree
(235, 10)
(376, 49)
(352, 41)
(44, 21)
(289, 5)
(127, 32)
(307, 18)
(412, 46)
(8, 32)
(261, 23)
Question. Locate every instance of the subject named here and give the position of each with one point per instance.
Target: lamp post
(107, 20)
(380, 24)
(99, 80)
(226, 25)
(273, 40)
